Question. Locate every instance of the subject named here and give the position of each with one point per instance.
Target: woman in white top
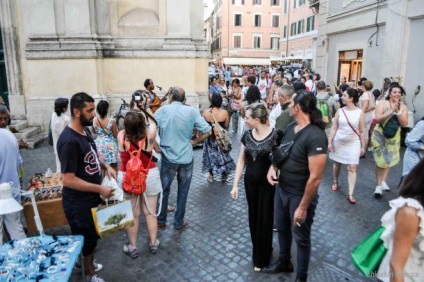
(404, 232)
(346, 136)
(367, 105)
(58, 123)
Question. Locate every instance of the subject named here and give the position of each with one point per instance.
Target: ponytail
(316, 118)
(308, 103)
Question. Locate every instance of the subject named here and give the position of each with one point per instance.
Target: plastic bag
(118, 194)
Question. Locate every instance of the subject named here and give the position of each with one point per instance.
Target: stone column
(11, 56)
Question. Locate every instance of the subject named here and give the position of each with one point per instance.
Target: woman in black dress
(257, 143)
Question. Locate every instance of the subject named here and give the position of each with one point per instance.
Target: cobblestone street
(216, 245)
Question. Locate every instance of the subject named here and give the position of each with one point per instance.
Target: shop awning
(246, 61)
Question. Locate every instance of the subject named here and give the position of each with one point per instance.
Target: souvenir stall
(48, 195)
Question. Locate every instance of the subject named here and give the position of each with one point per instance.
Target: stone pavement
(216, 245)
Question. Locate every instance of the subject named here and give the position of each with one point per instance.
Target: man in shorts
(81, 176)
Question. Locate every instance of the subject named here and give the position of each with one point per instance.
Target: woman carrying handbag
(391, 114)
(346, 142)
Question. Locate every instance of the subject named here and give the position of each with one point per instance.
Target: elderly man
(9, 172)
(296, 196)
(176, 122)
(284, 95)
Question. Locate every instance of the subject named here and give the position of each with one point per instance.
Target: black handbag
(281, 153)
(391, 127)
(50, 136)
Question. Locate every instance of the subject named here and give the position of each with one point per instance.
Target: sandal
(210, 178)
(351, 199)
(171, 208)
(335, 186)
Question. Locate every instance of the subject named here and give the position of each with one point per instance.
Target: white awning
(246, 61)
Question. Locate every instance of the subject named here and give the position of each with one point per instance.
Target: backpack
(134, 182)
(325, 109)
(222, 136)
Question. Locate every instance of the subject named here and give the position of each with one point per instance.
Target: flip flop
(335, 186)
(351, 199)
(171, 208)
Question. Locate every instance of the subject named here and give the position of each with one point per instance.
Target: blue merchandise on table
(42, 258)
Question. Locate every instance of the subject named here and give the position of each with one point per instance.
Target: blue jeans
(285, 205)
(184, 173)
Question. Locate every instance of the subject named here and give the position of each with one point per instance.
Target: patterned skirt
(385, 150)
(215, 160)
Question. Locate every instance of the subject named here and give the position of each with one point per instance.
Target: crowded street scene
(281, 145)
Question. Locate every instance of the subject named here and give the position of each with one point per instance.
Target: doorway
(350, 66)
(4, 91)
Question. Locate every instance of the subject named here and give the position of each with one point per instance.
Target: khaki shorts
(153, 184)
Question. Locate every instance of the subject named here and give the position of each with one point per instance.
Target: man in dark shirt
(301, 174)
(284, 95)
(81, 176)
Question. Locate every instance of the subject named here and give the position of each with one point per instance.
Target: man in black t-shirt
(296, 197)
(81, 176)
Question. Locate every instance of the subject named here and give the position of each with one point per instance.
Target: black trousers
(260, 201)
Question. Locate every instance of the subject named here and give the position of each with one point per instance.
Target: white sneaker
(97, 266)
(378, 191)
(96, 278)
(384, 186)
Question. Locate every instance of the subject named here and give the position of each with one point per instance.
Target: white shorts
(153, 184)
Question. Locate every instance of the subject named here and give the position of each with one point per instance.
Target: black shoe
(278, 267)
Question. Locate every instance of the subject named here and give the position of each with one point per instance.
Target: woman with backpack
(215, 160)
(138, 138)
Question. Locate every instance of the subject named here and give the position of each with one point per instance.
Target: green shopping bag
(368, 255)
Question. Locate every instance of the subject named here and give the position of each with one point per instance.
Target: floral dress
(385, 150)
(214, 160)
(106, 143)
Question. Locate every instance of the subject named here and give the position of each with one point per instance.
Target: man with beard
(81, 176)
(154, 99)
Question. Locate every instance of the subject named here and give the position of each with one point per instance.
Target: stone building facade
(107, 48)
(373, 39)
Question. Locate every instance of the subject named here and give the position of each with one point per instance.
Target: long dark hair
(353, 93)
(59, 105)
(413, 186)
(253, 95)
(308, 103)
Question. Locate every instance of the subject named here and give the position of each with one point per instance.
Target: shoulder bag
(281, 153)
(50, 136)
(222, 136)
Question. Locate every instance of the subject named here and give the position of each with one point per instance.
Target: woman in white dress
(346, 142)
(404, 232)
(58, 123)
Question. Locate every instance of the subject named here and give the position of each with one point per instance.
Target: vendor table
(48, 195)
(41, 258)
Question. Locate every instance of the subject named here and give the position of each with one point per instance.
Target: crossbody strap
(350, 124)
